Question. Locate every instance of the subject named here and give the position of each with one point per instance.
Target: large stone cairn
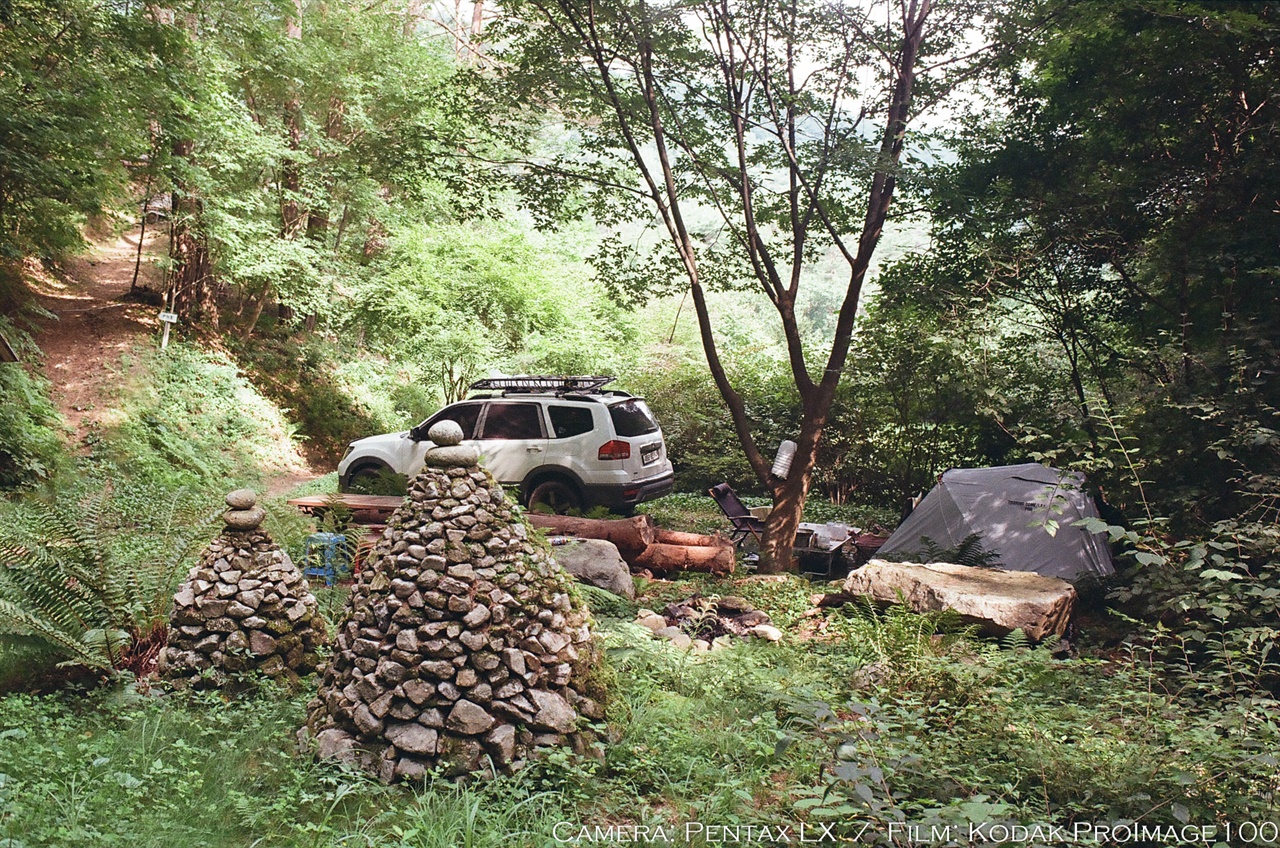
(461, 644)
(244, 607)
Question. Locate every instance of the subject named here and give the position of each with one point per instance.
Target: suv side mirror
(417, 433)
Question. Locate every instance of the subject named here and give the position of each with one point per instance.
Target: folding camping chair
(739, 516)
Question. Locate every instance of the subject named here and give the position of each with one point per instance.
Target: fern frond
(17, 621)
(42, 584)
(970, 552)
(1016, 640)
(67, 581)
(604, 602)
(166, 572)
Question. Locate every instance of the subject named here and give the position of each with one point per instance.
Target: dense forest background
(1080, 267)
(353, 219)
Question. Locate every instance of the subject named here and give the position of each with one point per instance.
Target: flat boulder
(998, 601)
(597, 562)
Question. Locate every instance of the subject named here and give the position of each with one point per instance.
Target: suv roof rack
(530, 384)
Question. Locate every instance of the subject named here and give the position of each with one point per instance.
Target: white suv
(561, 443)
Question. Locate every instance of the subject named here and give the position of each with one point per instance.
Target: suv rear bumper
(630, 494)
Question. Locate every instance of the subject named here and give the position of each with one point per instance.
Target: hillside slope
(100, 357)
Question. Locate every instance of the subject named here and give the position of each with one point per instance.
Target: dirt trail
(96, 326)
(288, 481)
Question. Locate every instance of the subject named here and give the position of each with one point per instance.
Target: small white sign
(169, 317)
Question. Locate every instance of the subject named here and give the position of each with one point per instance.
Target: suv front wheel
(555, 496)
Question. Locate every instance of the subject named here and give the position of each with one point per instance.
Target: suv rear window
(567, 421)
(632, 418)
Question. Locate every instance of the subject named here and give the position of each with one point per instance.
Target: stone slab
(998, 601)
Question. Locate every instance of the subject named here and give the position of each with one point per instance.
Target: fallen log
(659, 558)
(630, 535)
(675, 537)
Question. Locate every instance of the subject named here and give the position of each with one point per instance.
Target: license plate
(649, 457)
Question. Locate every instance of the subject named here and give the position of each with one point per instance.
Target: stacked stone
(461, 643)
(245, 607)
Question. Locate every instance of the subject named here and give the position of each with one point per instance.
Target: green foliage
(79, 82)
(1118, 253)
(295, 152)
(1039, 742)
(191, 421)
(30, 441)
(700, 439)
(94, 588)
(63, 585)
(453, 301)
(970, 552)
(605, 603)
(303, 376)
(750, 734)
(30, 447)
(1206, 608)
(915, 401)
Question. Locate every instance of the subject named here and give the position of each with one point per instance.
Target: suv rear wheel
(556, 496)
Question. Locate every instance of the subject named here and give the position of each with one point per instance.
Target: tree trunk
(190, 288)
(142, 227)
(412, 14)
(191, 285)
(291, 216)
(257, 312)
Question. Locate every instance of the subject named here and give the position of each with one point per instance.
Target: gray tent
(1010, 509)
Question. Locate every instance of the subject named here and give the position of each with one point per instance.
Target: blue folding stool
(326, 555)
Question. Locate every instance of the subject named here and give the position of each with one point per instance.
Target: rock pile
(708, 623)
(244, 607)
(461, 644)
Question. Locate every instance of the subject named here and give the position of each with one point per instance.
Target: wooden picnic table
(365, 509)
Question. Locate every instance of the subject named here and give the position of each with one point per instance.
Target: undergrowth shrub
(308, 378)
(908, 652)
(676, 751)
(30, 442)
(194, 422)
(1209, 608)
(1041, 742)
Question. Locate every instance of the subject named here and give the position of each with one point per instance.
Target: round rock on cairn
(461, 644)
(244, 607)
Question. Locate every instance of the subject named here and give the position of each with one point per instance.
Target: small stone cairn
(245, 607)
(461, 644)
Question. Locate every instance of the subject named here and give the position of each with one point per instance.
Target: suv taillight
(616, 449)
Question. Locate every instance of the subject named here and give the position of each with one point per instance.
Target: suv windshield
(632, 418)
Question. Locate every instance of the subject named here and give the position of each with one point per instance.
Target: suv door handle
(533, 449)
